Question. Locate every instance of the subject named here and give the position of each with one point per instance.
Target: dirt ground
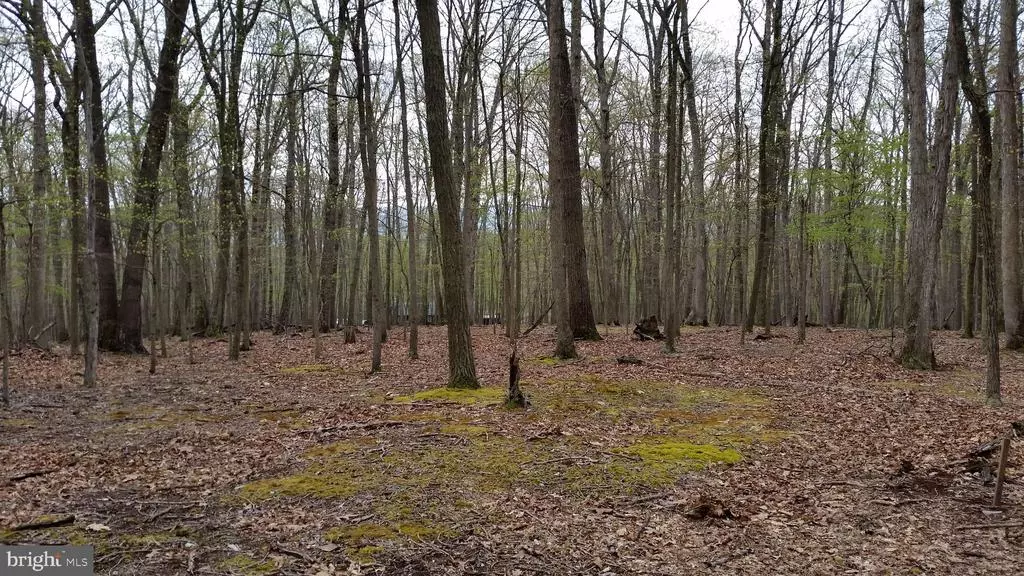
(761, 458)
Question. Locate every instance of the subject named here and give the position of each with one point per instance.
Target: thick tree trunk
(35, 282)
(147, 191)
(461, 365)
(673, 149)
(928, 187)
(564, 174)
(698, 306)
(1009, 150)
(103, 249)
(770, 154)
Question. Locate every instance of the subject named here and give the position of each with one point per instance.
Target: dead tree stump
(515, 397)
(647, 329)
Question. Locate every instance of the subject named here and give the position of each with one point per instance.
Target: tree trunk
(975, 91)
(368, 137)
(35, 281)
(285, 315)
(147, 191)
(461, 365)
(928, 187)
(1009, 150)
(410, 201)
(699, 303)
(769, 162)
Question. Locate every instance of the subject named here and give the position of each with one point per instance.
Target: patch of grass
(9, 536)
(363, 541)
(422, 482)
(455, 395)
(245, 565)
(549, 361)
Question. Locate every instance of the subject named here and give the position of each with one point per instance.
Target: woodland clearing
(761, 458)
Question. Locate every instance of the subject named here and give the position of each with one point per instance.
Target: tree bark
(975, 89)
(147, 191)
(928, 185)
(461, 365)
(35, 281)
(1009, 150)
(368, 137)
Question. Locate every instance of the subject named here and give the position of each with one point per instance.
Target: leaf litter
(759, 458)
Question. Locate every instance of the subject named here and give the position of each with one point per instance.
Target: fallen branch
(354, 426)
(47, 523)
(685, 372)
(990, 526)
(30, 474)
(898, 503)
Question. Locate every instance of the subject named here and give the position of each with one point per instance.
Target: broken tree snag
(647, 329)
(1001, 473)
(350, 334)
(515, 397)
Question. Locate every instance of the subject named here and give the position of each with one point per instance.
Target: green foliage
(864, 203)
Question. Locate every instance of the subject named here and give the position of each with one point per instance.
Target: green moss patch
(245, 565)
(671, 453)
(18, 422)
(660, 462)
(455, 396)
(365, 554)
(595, 395)
(310, 369)
(463, 430)
(549, 361)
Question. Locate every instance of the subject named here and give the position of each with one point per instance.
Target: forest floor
(761, 458)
